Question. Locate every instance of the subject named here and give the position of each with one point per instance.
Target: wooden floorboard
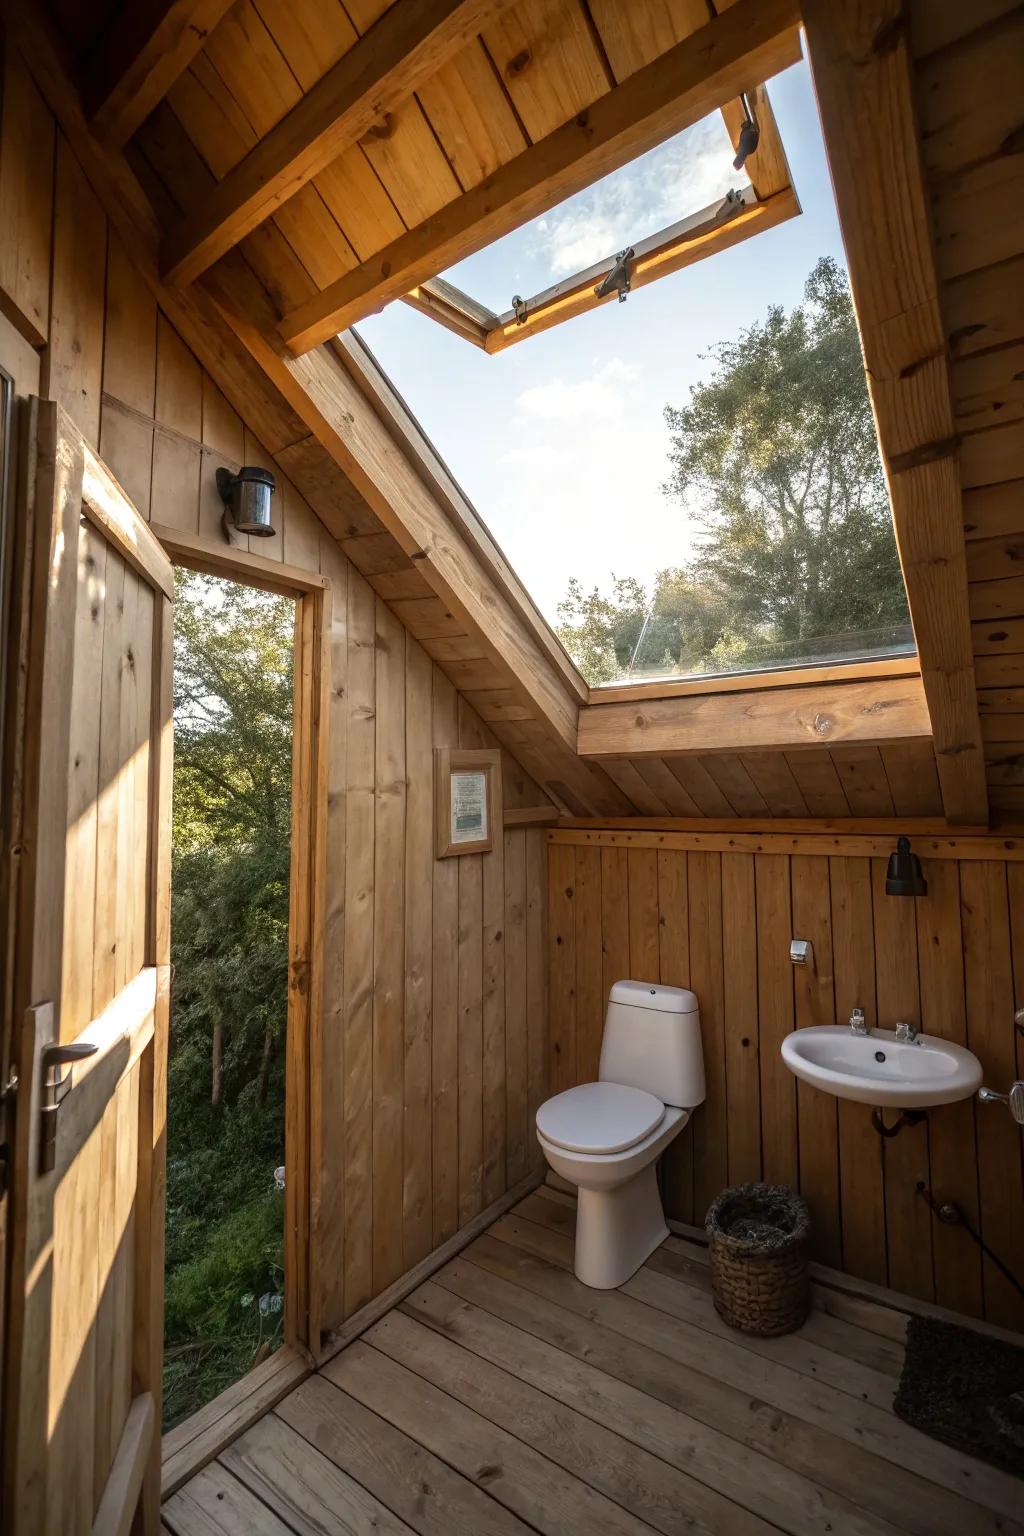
(502, 1396)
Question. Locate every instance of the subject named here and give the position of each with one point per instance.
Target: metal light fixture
(246, 497)
(904, 876)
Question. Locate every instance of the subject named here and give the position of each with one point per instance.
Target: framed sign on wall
(467, 800)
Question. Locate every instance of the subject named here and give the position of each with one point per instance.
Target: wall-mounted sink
(877, 1068)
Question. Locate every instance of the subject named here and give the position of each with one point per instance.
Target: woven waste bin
(759, 1278)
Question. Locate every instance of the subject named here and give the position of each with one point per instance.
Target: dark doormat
(966, 1389)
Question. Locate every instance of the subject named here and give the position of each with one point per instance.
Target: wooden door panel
(82, 1377)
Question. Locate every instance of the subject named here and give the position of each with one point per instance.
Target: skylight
(689, 483)
(685, 174)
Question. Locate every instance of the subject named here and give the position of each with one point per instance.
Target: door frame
(306, 902)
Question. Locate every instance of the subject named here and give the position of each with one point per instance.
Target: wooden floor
(504, 1397)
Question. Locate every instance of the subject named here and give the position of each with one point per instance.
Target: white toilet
(606, 1137)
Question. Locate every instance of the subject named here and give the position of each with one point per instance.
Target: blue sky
(560, 442)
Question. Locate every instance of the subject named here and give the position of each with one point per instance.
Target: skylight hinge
(519, 308)
(732, 203)
(749, 136)
(619, 278)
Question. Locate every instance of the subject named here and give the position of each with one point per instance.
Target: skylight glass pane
(688, 483)
(687, 173)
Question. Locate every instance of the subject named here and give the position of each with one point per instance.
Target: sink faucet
(858, 1023)
(907, 1033)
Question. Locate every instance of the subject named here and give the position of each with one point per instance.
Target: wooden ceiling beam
(404, 48)
(777, 719)
(731, 54)
(861, 67)
(138, 58)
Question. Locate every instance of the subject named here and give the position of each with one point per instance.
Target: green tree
(775, 460)
(229, 947)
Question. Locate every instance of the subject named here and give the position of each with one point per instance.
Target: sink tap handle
(1014, 1100)
(858, 1021)
(907, 1033)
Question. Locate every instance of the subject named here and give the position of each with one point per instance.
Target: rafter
(137, 60)
(751, 42)
(404, 48)
(862, 75)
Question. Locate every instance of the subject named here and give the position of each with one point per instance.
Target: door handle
(55, 1087)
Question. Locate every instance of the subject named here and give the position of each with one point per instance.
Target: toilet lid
(599, 1117)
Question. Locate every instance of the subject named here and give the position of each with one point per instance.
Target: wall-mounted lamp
(749, 136)
(246, 497)
(904, 876)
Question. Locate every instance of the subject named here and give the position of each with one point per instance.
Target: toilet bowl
(606, 1137)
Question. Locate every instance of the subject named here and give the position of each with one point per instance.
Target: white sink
(881, 1070)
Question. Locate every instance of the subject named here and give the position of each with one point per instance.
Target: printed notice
(469, 807)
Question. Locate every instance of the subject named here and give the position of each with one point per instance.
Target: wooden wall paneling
(860, 1147)
(815, 773)
(952, 1148)
(359, 952)
(26, 202)
(562, 939)
(644, 953)
(700, 786)
(538, 996)
(775, 1007)
(419, 864)
(708, 1125)
(815, 1003)
(615, 964)
(518, 1128)
(73, 362)
(470, 1075)
(774, 778)
(388, 944)
(177, 455)
(674, 966)
(330, 1216)
(129, 377)
(445, 1037)
(905, 1159)
(590, 995)
(989, 991)
(495, 1125)
(741, 1015)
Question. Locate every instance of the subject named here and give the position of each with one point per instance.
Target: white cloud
(599, 396)
(678, 178)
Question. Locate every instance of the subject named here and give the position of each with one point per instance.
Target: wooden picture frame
(467, 789)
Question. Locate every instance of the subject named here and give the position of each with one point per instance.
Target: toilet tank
(652, 1041)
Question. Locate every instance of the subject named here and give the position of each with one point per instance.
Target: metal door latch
(56, 1086)
(619, 278)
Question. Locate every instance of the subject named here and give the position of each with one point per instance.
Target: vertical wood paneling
(709, 1135)
(953, 1153)
(814, 1003)
(471, 1040)
(644, 950)
(493, 925)
(860, 1148)
(952, 962)
(908, 1220)
(73, 362)
(742, 1025)
(590, 1000)
(445, 1037)
(775, 1006)
(562, 938)
(538, 999)
(419, 861)
(388, 946)
(518, 1128)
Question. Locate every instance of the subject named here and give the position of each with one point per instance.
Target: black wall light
(246, 497)
(904, 876)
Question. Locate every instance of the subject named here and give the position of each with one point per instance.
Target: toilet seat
(599, 1118)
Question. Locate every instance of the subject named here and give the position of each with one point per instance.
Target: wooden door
(91, 921)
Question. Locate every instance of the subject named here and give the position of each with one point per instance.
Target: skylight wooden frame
(712, 229)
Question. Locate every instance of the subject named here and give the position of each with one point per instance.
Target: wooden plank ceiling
(300, 148)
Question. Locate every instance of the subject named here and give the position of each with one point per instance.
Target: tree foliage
(229, 947)
(775, 461)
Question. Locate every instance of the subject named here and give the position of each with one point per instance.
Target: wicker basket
(759, 1278)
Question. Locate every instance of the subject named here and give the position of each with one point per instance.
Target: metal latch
(519, 308)
(55, 1089)
(732, 203)
(619, 278)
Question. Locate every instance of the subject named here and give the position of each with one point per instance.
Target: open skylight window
(679, 203)
(688, 487)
